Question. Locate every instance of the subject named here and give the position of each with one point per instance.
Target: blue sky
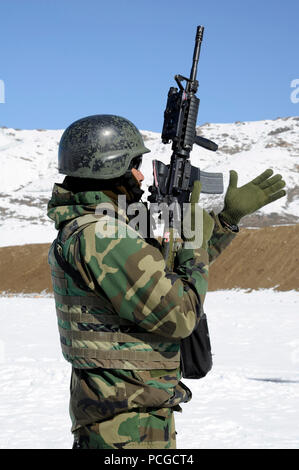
(62, 60)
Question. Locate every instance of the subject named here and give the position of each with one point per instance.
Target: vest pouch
(196, 355)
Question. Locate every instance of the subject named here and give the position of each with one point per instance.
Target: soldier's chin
(137, 181)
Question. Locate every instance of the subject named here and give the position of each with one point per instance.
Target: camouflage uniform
(121, 328)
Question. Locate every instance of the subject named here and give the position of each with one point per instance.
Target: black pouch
(196, 355)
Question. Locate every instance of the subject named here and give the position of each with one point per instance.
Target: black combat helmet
(99, 147)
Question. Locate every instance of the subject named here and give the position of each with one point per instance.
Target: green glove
(207, 221)
(247, 199)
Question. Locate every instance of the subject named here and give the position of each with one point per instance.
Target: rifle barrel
(198, 41)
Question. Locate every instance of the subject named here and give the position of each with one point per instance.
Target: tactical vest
(92, 334)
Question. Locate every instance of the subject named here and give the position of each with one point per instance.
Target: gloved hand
(207, 221)
(247, 199)
(193, 236)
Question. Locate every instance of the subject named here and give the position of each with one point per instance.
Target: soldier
(121, 314)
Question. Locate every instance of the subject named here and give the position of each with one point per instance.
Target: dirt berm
(257, 258)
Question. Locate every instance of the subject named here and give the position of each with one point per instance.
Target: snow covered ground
(250, 399)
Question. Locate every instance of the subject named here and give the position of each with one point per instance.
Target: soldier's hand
(199, 225)
(252, 196)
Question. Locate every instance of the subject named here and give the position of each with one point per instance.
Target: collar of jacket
(64, 206)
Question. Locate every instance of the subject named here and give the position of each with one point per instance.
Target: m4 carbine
(173, 185)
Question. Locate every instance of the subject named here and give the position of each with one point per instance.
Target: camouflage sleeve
(220, 239)
(132, 274)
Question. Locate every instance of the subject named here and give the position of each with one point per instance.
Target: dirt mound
(257, 258)
(262, 258)
(24, 268)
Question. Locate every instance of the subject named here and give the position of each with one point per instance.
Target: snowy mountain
(29, 170)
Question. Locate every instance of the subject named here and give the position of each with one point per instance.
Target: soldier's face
(137, 175)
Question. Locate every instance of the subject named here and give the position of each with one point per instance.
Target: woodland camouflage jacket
(121, 328)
